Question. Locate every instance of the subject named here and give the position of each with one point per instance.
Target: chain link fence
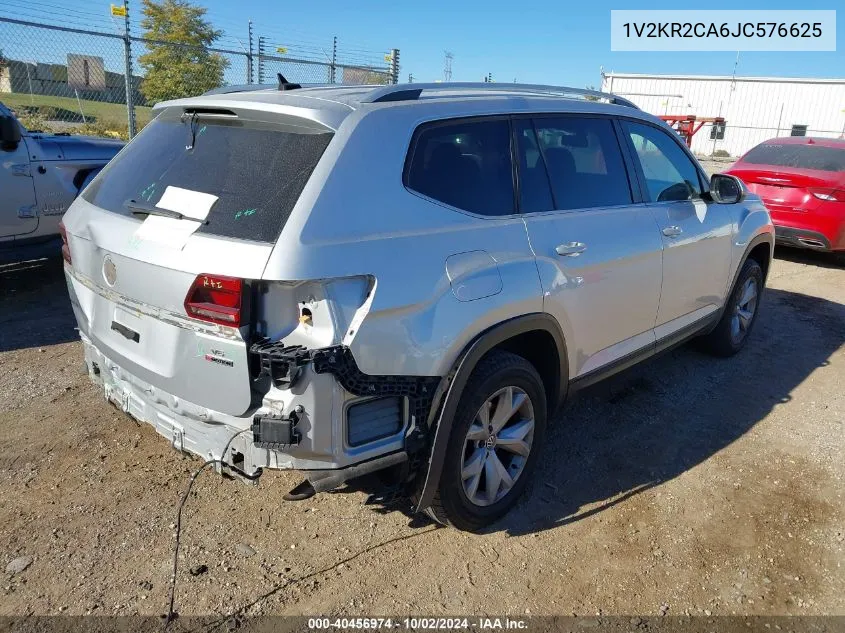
(63, 79)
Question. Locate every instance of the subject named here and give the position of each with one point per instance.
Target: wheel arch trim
(757, 240)
(459, 376)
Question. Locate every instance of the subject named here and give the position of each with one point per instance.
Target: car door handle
(672, 231)
(572, 249)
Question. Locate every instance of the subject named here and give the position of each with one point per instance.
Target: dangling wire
(171, 611)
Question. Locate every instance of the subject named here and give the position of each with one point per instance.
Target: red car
(802, 183)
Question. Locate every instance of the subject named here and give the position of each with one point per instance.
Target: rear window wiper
(144, 208)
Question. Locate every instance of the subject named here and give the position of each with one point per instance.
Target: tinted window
(583, 161)
(800, 156)
(466, 164)
(256, 169)
(669, 172)
(535, 193)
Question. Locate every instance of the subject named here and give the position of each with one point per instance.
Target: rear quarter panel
(355, 217)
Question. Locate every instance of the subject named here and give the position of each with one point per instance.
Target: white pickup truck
(40, 175)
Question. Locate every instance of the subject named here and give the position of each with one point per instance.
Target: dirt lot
(694, 485)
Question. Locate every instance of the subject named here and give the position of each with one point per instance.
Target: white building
(754, 108)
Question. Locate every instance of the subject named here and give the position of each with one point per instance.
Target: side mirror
(726, 189)
(10, 132)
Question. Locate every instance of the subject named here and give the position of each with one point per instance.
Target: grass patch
(61, 114)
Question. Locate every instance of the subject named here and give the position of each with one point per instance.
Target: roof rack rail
(412, 92)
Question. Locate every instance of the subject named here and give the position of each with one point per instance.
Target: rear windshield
(257, 169)
(800, 156)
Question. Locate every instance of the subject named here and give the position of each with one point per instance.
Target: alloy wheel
(744, 309)
(497, 446)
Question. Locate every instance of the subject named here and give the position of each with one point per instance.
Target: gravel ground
(692, 485)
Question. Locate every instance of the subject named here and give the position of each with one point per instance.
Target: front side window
(583, 161)
(670, 174)
(465, 164)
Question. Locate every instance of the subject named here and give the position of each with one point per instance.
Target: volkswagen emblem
(109, 271)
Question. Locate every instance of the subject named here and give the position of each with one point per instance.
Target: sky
(531, 41)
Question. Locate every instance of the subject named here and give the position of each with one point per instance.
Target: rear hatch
(792, 178)
(166, 241)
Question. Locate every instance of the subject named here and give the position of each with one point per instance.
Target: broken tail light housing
(215, 299)
(65, 245)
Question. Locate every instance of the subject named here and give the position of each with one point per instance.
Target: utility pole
(127, 53)
(447, 66)
(260, 59)
(249, 74)
(333, 74)
(394, 66)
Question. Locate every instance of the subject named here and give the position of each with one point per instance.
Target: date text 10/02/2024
(417, 623)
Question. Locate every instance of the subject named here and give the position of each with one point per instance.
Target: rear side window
(465, 164)
(535, 193)
(800, 156)
(257, 169)
(582, 159)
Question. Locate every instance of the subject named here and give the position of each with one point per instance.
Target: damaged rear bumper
(301, 425)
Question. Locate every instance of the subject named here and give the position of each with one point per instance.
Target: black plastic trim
(129, 333)
(282, 364)
(789, 236)
(411, 94)
(460, 374)
(763, 238)
(324, 480)
(339, 361)
(634, 358)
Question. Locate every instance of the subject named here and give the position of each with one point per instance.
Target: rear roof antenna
(284, 84)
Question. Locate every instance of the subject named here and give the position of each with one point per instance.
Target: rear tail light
(215, 299)
(65, 245)
(831, 195)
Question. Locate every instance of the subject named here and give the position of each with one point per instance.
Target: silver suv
(406, 280)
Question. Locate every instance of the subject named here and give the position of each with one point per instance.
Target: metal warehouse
(753, 108)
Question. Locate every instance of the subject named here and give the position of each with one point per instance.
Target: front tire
(740, 314)
(498, 429)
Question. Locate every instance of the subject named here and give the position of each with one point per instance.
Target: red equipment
(686, 125)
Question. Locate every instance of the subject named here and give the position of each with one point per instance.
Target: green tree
(178, 62)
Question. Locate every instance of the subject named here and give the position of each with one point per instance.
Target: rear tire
(740, 314)
(498, 431)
